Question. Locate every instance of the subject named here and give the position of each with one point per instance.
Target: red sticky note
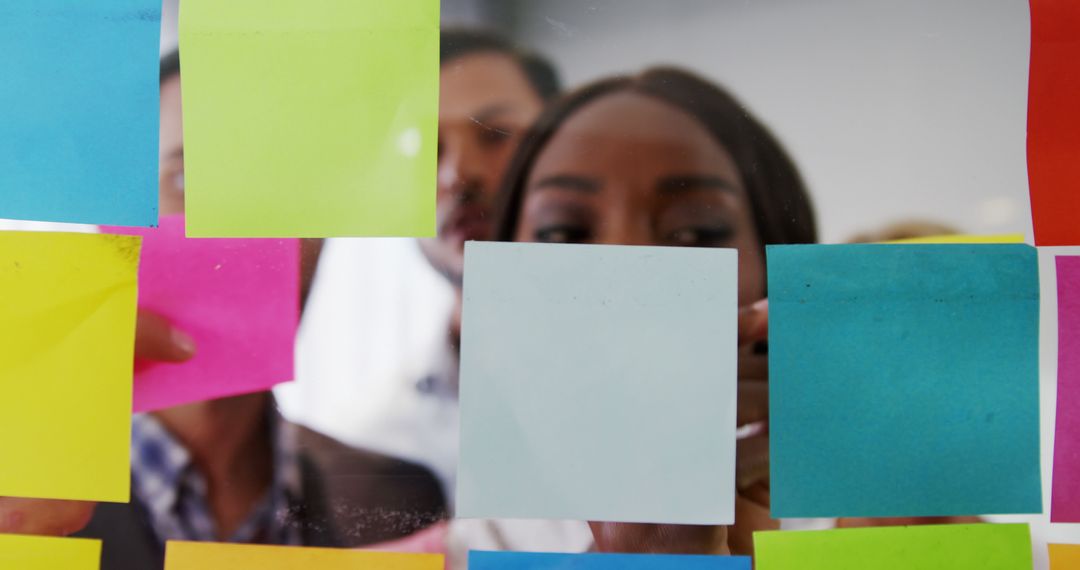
(237, 298)
(1054, 121)
(1065, 498)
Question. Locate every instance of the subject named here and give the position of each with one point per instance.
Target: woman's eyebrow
(690, 182)
(568, 182)
(491, 112)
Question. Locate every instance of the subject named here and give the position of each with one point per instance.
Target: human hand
(156, 339)
(43, 517)
(752, 447)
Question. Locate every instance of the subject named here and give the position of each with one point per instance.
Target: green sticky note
(310, 118)
(955, 547)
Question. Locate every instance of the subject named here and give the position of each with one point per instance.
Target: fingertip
(183, 344)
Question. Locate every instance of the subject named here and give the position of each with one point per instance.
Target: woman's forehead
(632, 126)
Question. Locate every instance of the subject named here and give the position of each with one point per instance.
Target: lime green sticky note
(956, 547)
(310, 118)
(48, 553)
(68, 338)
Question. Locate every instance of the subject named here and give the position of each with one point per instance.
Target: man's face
(485, 104)
(171, 149)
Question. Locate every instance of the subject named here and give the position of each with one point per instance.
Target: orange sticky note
(1064, 556)
(1054, 121)
(214, 556)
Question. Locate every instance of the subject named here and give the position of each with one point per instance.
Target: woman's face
(629, 169)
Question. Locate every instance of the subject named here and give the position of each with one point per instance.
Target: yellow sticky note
(48, 553)
(310, 118)
(66, 349)
(212, 556)
(1064, 556)
(999, 238)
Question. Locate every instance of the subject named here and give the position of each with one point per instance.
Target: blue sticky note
(481, 560)
(903, 380)
(79, 110)
(598, 383)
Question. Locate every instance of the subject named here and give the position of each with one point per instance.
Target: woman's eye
(562, 234)
(701, 236)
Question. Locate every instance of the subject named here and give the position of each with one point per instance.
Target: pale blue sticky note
(79, 110)
(598, 383)
(903, 380)
(482, 560)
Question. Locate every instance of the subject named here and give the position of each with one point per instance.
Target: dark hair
(459, 42)
(779, 200)
(170, 66)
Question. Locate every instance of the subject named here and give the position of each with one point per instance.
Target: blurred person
(374, 364)
(664, 158)
(231, 470)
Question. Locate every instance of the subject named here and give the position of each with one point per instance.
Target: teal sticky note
(483, 560)
(598, 383)
(903, 380)
(79, 111)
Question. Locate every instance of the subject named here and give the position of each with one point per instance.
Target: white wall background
(892, 108)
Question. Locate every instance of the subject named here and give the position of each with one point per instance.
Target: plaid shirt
(166, 481)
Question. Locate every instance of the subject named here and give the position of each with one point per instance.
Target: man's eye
(494, 136)
(562, 234)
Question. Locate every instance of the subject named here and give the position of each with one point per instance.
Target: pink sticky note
(1065, 501)
(237, 298)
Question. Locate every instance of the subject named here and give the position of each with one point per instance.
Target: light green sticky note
(956, 547)
(310, 118)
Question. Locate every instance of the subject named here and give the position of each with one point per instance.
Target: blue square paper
(598, 383)
(79, 110)
(480, 560)
(904, 380)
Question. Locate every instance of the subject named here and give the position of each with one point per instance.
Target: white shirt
(375, 319)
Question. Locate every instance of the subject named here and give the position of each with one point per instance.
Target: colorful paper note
(79, 110)
(65, 368)
(955, 547)
(997, 238)
(903, 380)
(1064, 556)
(1065, 496)
(310, 118)
(593, 561)
(598, 383)
(211, 556)
(1054, 121)
(48, 553)
(239, 301)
